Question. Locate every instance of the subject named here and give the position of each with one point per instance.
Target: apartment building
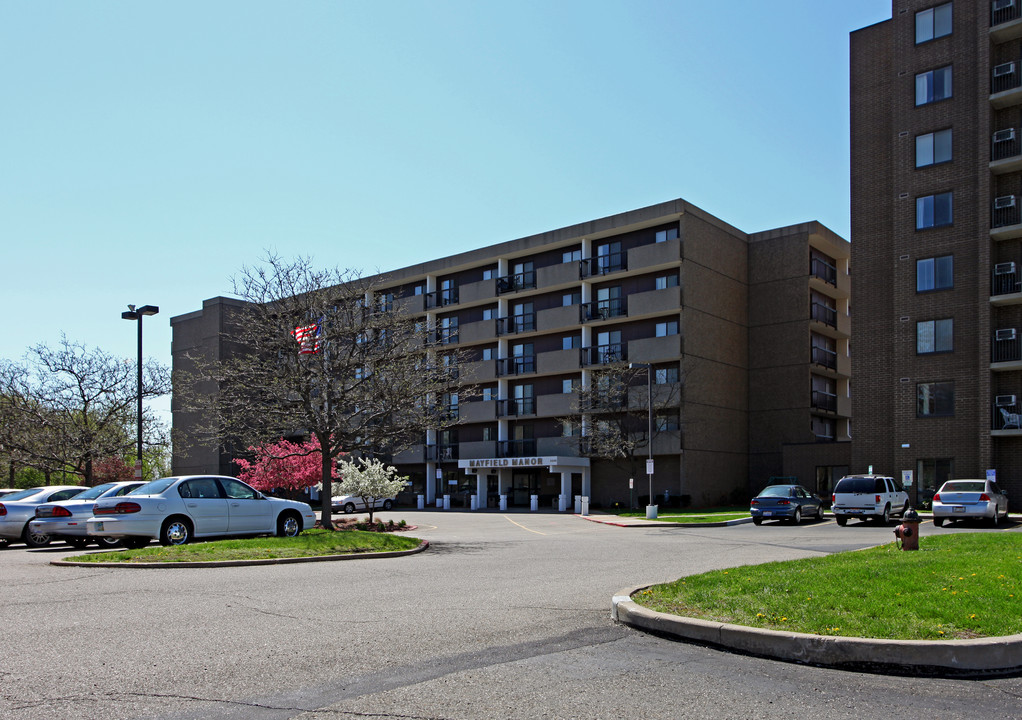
(749, 332)
(936, 173)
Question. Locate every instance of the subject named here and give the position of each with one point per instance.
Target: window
(933, 23)
(665, 235)
(935, 273)
(570, 342)
(933, 86)
(571, 256)
(487, 313)
(667, 421)
(934, 336)
(665, 376)
(933, 211)
(488, 274)
(572, 298)
(489, 394)
(487, 353)
(489, 433)
(931, 473)
(570, 429)
(667, 281)
(935, 399)
(670, 327)
(571, 385)
(933, 148)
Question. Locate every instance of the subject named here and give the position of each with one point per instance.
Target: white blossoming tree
(370, 480)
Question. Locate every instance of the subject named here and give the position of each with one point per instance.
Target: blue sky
(148, 150)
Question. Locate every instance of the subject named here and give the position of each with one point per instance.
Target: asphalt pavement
(506, 615)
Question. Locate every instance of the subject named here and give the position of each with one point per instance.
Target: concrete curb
(642, 522)
(240, 563)
(981, 657)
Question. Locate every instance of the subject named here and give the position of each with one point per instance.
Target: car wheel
(107, 542)
(4, 543)
(175, 531)
(78, 543)
(938, 522)
(819, 512)
(33, 538)
(884, 518)
(757, 521)
(349, 508)
(995, 519)
(797, 517)
(387, 504)
(288, 525)
(841, 520)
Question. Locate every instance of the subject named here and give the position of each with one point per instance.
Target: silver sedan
(17, 509)
(67, 520)
(970, 499)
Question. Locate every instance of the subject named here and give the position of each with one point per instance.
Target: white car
(66, 520)
(875, 497)
(174, 510)
(970, 499)
(17, 509)
(353, 503)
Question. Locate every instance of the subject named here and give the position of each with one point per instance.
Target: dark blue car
(785, 502)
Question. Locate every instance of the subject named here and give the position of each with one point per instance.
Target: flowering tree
(291, 467)
(370, 480)
(112, 469)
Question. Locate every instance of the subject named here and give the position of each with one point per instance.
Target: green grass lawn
(956, 586)
(311, 543)
(676, 515)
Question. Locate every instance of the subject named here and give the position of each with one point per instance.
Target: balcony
(516, 407)
(557, 318)
(516, 448)
(1005, 85)
(474, 332)
(557, 361)
(415, 455)
(479, 371)
(1005, 21)
(519, 281)
(478, 449)
(654, 302)
(1005, 218)
(655, 349)
(518, 365)
(825, 357)
(602, 310)
(602, 265)
(447, 452)
(823, 270)
(603, 354)
(824, 314)
(556, 405)
(554, 276)
(1006, 350)
(1005, 152)
(444, 336)
(825, 401)
(1006, 418)
(513, 324)
(478, 291)
(441, 298)
(564, 446)
(1005, 284)
(479, 411)
(411, 305)
(661, 254)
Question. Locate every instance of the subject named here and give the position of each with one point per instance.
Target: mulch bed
(354, 523)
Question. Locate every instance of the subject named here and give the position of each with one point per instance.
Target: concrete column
(481, 490)
(565, 489)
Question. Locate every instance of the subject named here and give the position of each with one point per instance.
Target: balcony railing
(824, 314)
(603, 309)
(518, 365)
(824, 401)
(602, 264)
(1006, 346)
(1005, 211)
(1005, 76)
(823, 270)
(825, 356)
(519, 281)
(441, 298)
(604, 354)
(516, 448)
(512, 324)
(1006, 413)
(1001, 12)
(444, 336)
(515, 407)
(1005, 144)
(1005, 279)
(447, 452)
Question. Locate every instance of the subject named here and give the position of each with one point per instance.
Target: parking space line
(522, 526)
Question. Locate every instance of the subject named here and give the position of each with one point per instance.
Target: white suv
(867, 496)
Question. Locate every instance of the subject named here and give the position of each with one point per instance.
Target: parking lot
(506, 615)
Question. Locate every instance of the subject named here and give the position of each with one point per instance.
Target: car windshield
(94, 492)
(155, 487)
(855, 485)
(776, 491)
(23, 494)
(964, 486)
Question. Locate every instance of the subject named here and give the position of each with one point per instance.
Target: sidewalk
(618, 521)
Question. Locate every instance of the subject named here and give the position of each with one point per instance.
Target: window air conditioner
(1005, 268)
(1005, 334)
(1004, 400)
(1003, 4)
(1003, 69)
(1004, 135)
(1005, 201)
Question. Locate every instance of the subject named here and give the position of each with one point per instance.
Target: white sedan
(174, 510)
(66, 520)
(970, 499)
(353, 503)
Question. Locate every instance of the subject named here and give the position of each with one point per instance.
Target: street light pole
(651, 508)
(133, 314)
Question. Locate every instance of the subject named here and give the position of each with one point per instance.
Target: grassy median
(675, 515)
(958, 586)
(311, 543)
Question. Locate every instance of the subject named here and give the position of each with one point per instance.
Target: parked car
(17, 509)
(868, 496)
(8, 491)
(353, 503)
(66, 520)
(785, 502)
(970, 499)
(175, 510)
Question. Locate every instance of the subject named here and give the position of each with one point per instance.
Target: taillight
(121, 508)
(59, 511)
(784, 502)
(936, 497)
(984, 498)
(3, 510)
(877, 500)
(833, 498)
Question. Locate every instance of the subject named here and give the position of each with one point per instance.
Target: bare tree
(318, 353)
(64, 408)
(612, 412)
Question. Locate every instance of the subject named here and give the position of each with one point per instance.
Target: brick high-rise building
(936, 176)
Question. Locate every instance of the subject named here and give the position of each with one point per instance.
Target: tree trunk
(326, 519)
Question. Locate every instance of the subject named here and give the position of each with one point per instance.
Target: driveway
(507, 615)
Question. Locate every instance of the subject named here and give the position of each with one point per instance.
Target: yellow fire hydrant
(908, 531)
